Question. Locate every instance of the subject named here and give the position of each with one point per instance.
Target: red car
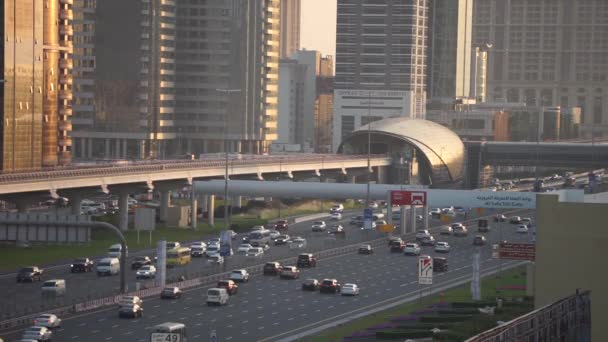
(281, 225)
(330, 286)
(230, 286)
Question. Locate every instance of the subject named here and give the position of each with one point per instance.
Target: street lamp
(226, 212)
(369, 145)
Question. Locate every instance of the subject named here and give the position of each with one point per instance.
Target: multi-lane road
(271, 309)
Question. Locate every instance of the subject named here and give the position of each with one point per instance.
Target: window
(348, 125)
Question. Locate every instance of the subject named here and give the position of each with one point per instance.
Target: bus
(178, 256)
(259, 238)
(169, 332)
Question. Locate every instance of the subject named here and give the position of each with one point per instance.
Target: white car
(349, 289)
(419, 218)
(435, 212)
(212, 250)
(131, 300)
(442, 247)
(445, 230)
(411, 249)
(255, 252)
(256, 228)
(244, 248)
(526, 220)
(216, 259)
(274, 234)
(336, 216)
(147, 271)
(373, 205)
(48, 321)
(319, 226)
(422, 233)
(241, 276)
(380, 222)
(37, 333)
(199, 244)
(522, 229)
(213, 241)
(297, 242)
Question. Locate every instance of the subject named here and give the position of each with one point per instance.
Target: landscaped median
(452, 314)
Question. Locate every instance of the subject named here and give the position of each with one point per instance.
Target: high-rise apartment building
(35, 91)
(381, 60)
(548, 53)
(449, 61)
(324, 105)
(177, 77)
(290, 27)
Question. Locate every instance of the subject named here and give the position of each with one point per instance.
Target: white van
(115, 251)
(108, 266)
(217, 296)
(54, 287)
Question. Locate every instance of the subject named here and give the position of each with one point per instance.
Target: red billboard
(515, 251)
(401, 197)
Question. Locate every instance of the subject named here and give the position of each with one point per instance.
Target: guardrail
(190, 283)
(139, 167)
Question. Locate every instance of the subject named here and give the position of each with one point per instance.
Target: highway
(269, 309)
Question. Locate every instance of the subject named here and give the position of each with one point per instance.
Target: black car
(397, 246)
(171, 293)
(440, 264)
(483, 226)
(272, 268)
(131, 311)
(82, 265)
(281, 240)
(366, 249)
(311, 285)
(140, 261)
(30, 273)
(307, 260)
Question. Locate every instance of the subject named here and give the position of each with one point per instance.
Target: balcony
(65, 142)
(66, 2)
(66, 14)
(65, 111)
(64, 125)
(66, 79)
(66, 30)
(66, 64)
(65, 95)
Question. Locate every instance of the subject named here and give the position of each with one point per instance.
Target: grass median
(507, 285)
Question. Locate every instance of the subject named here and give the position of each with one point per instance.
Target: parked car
(281, 240)
(306, 260)
(319, 226)
(311, 284)
(272, 268)
(82, 265)
(330, 286)
(29, 273)
(442, 247)
(140, 261)
(130, 310)
(349, 289)
(411, 249)
(479, 240)
(171, 293)
(146, 272)
(48, 321)
(230, 286)
(289, 272)
(366, 249)
(239, 276)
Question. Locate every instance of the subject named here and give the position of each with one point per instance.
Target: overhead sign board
(386, 228)
(165, 337)
(401, 197)
(514, 251)
(368, 218)
(425, 270)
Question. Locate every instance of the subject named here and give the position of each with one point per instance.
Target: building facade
(449, 52)
(381, 49)
(324, 106)
(548, 53)
(35, 92)
(292, 82)
(160, 79)
(290, 27)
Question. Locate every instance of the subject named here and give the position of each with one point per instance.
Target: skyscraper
(290, 27)
(380, 62)
(450, 34)
(548, 53)
(35, 91)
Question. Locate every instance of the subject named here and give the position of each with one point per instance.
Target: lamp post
(226, 211)
(369, 145)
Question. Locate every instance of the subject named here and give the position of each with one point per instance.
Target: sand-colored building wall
(571, 253)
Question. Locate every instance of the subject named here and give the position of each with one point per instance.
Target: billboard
(514, 251)
(401, 197)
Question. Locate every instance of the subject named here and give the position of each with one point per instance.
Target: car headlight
(71, 265)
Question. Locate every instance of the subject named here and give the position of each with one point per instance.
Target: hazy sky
(319, 26)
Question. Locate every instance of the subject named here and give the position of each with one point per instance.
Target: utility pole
(369, 144)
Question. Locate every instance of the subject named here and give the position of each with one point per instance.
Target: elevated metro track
(148, 173)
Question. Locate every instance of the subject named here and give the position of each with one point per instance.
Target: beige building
(548, 53)
(571, 240)
(290, 27)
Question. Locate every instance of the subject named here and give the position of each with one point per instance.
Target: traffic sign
(425, 270)
(514, 251)
(165, 337)
(386, 228)
(213, 336)
(400, 197)
(368, 217)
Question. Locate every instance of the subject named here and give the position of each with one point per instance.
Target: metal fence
(567, 320)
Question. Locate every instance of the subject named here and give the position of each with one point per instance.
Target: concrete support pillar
(403, 220)
(352, 179)
(205, 146)
(107, 146)
(381, 175)
(204, 202)
(193, 209)
(165, 202)
(189, 146)
(90, 148)
(239, 147)
(75, 203)
(412, 227)
(142, 149)
(123, 210)
(124, 148)
(425, 216)
(236, 201)
(210, 209)
(83, 148)
(117, 151)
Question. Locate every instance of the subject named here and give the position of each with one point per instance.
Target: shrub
(479, 304)
(445, 318)
(403, 334)
(463, 311)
